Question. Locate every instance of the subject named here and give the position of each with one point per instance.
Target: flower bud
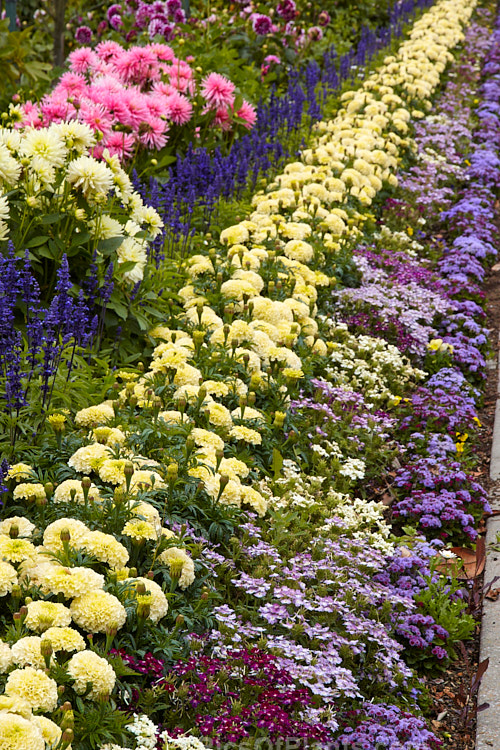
(65, 535)
(16, 591)
(14, 531)
(172, 472)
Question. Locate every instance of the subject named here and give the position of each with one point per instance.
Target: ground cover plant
(197, 555)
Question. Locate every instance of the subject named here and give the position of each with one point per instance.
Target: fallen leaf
(472, 562)
(492, 595)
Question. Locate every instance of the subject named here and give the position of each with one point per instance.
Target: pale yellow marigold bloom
(19, 472)
(70, 582)
(86, 667)
(26, 652)
(94, 611)
(181, 565)
(50, 731)
(24, 526)
(98, 414)
(24, 491)
(18, 733)
(8, 578)
(89, 458)
(64, 639)
(43, 615)
(15, 550)
(35, 687)
(157, 600)
(140, 531)
(247, 435)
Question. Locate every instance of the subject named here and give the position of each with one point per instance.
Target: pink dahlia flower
(247, 113)
(179, 108)
(218, 91)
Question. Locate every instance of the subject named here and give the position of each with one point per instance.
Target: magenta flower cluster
(131, 98)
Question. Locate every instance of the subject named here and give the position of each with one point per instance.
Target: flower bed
(212, 526)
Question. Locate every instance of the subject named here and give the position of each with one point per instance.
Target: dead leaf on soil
(472, 561)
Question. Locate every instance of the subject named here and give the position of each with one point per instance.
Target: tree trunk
(59, 28)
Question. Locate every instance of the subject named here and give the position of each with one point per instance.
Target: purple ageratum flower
(383, 725)
(83, 35)
(287, 10)
(261, 24)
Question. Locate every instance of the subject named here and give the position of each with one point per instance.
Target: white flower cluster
(144, 731)
(52, 167)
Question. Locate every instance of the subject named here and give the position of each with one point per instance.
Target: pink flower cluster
(132, 97)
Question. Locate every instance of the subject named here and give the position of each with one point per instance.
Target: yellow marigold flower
(105, 548)
(24, 527)
(26, 652)
(43, 615)
(88, 458)
(70, 582)
(288, 372)
(248, 414)
(158, 603)
(20, 471)
(234, 468)
(96, 610)
(100, 413)
(56, 421)
(52, 534)
(181, 565)
(219, 415)
(16, 705)
(110, 436)
(149, 513)
(207, 439)
(62, 493)
(18, 733)
(64, 639)
(15, 550)
(51, 733)
(26, 490)
(87, 667)
(171, 416)
(139, 530)
(254, 499)
(295, 230)
(35, 687)
(6, 659)
(8, 578)
(111, 470)
(234, 235)
(143, 479)
(299, 250)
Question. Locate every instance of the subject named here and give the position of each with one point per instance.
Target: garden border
(488, 725)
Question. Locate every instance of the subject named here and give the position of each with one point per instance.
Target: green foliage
(21, 62)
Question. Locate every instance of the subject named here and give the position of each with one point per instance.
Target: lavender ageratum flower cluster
(381, 725)
(51, 334)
